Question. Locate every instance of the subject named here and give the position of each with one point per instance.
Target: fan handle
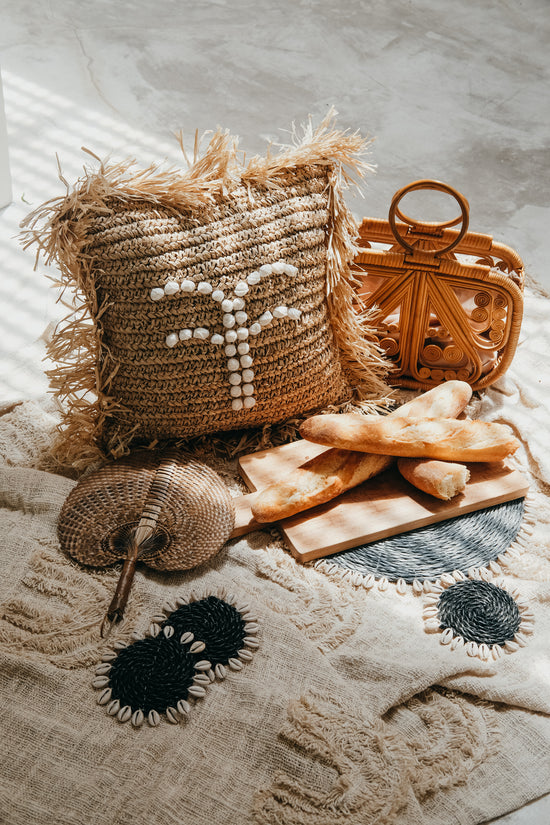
(140, 541)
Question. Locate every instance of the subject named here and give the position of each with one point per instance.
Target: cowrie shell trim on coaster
(485, 618)
(131, 678)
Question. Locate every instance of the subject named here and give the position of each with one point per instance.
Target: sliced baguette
(442, 438)
(334, 471)
(442, 479)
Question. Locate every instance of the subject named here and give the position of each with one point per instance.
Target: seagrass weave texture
(185, 390)
(467, 542)
(208, 300)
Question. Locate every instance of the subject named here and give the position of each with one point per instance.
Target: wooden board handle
(244, 520)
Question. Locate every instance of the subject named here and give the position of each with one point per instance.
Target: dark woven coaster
(472, 540)
(189, 645)
(480, 612)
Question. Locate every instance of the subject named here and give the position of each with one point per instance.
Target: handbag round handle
(438, 186)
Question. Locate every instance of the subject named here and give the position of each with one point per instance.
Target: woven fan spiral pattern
(195, 519)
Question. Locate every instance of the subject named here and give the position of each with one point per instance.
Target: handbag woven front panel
(289, 366)
(441, 315)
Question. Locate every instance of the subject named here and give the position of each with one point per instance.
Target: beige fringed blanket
(351, 711)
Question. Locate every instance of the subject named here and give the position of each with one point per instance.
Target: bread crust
(446, 400)
(317, 481)
(442, 479)
(336, 470)
(443, 438)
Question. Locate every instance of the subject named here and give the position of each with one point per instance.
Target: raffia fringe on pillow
(85, 368)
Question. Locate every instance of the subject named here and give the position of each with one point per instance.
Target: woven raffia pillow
(208, 300)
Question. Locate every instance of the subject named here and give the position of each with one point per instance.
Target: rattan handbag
(450, 301)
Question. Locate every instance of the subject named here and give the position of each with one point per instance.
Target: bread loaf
(318, 480)
(447, 400)
(334, 471)
(442, 479)
(441, 438)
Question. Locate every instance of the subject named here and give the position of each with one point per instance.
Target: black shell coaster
(485, 617)
(188, 646)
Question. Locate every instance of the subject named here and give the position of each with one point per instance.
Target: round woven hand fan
(166, 510)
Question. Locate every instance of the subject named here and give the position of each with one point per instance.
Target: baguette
(447, 400)
(442, 479)
(334, 471)
(442, 438)
(317, 481)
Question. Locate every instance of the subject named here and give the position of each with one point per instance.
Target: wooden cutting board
(383, 506)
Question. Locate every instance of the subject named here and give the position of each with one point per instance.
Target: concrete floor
(456, 91)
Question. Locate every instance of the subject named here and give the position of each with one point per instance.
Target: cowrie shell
(113, 707)
(171, 288)
(124, 714)
(105, 696)
(220, 671)
(172, 715)
(153, 718)
(137, 718)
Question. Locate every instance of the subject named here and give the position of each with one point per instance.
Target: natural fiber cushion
(213, 299)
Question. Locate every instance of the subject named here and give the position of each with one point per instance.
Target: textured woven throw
(213, 299)
(354, 709)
